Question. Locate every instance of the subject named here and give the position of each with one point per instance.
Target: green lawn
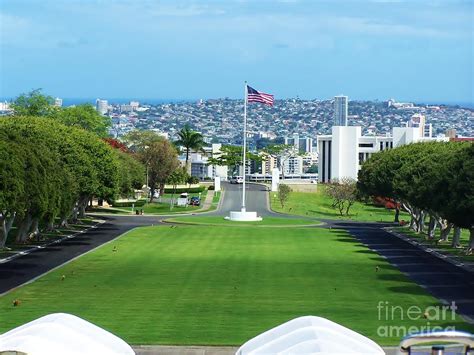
(266, 222)
(318, 205)
(220, 285)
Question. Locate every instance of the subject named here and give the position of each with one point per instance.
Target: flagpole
(245, 146)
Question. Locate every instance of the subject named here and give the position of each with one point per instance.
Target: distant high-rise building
(340, 110)
(419, 121)
(102, 106)
(58, 102)
(126, 108)
(303, 145)
(134, 105)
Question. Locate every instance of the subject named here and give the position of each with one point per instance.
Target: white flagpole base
(243, 216)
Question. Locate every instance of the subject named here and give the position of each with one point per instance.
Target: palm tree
(190, 140)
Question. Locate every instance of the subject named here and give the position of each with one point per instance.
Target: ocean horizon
(151, 101)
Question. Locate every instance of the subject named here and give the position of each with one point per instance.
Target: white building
(102, 106)
(58, 102)
(200, 163)
(304, 145)
(126, 108)
(341, 109)
(342, 153)
(292, 165)
(5, 106)
(419, 121)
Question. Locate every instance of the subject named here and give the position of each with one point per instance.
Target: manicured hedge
(138, 203)
(191, 190)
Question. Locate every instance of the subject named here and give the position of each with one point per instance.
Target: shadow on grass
(350, 240)
(393, 277)
(408, 289)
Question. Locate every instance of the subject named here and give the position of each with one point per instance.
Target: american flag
(256, 96)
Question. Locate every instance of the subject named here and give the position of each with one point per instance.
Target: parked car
(195, 201)
(236, 180)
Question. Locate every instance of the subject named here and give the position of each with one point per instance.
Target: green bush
(191, 190)
(211, 188)
(138, 203)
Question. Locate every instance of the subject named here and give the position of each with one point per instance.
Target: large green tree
(159, 156)
(231, 156)
(63, 167)
(84, 116)
(429, 179)
(12, 184)
(33, 103)
(189, 140)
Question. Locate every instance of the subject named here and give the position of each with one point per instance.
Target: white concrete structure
(275, 179)
(341, 109)
(243, 216)
(342, 153)
(217, 170)
(217, 183)
(59, 334)
(310, 335)
(58, 102)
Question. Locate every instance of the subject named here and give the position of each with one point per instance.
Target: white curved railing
(458, 337)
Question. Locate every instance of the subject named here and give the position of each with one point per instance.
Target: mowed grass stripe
(219, 285)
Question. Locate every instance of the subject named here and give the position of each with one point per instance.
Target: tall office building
(102, 106)
(340, 110)
(303, 145)
(419, 121)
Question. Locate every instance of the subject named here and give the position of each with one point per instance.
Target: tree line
(54, 160)
(49, 172)
(433, 182)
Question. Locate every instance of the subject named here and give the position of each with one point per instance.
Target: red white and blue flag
(257, 96)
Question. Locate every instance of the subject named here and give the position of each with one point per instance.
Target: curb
(38, 247)
(431, 251)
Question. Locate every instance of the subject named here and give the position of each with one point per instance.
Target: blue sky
(372, 49)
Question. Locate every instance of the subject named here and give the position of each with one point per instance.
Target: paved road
(256, 199)
(25, 268)
(442, 279)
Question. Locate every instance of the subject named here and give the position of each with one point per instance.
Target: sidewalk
(439, 253)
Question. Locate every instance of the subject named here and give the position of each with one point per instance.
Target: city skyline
(374, 49)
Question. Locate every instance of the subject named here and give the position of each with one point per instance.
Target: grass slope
(220, 285)
(318, 205)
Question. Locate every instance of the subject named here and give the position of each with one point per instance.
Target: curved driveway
(256, 199)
